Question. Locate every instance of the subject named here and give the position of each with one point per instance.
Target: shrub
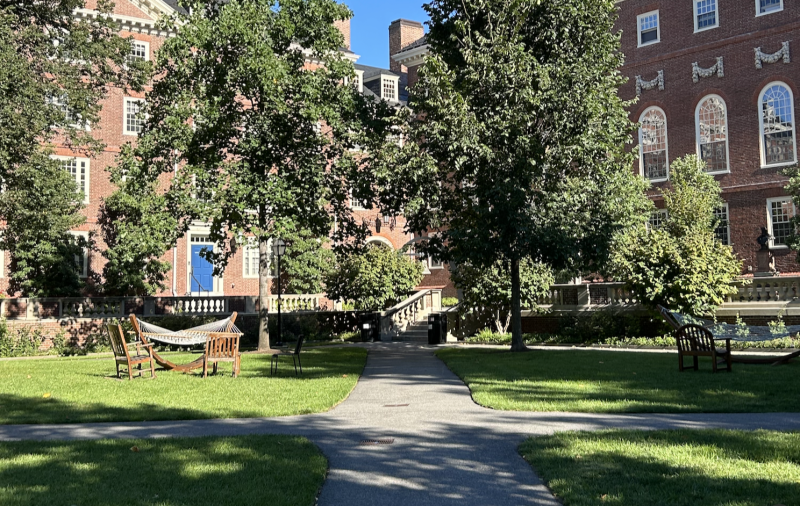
(449, 302)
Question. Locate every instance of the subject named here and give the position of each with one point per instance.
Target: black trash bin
(365, 323)
(435, 328)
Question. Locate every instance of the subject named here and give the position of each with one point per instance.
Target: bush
(449, 302)
(28, 341)
(607, 324)
(350, 336)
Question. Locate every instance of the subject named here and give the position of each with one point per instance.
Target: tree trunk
(263, 295)
(517, 344)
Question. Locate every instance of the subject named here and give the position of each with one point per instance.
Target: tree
(373, 279)
(55, 68)
(519, 149)
(261, 142)
(487, 291)
(306, 263)
(680, 265)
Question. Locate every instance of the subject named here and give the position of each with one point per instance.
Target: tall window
(705, 14)
(251, 256)
(648, 28)
(768, 6)
(139, 50)
(71, 118)
(712, 133)
(779, 214)
(653, 144)
(657, 219)
(356, 203)
(389, 89)
(79, 170)
(723, 230)
(133, 121)
(82, 261)
(777, 126)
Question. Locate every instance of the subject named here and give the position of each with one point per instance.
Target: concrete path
(446, 451)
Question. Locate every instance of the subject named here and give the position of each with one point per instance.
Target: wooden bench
(222, 347)
(696, 341)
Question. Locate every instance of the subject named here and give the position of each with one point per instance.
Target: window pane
(138, 51)
(133, 123)
(654, 144)
(388, 90)
(781, 212)
(721, 232)
(713, 134)
(706, 13)
(648, 28)
(657, 219)
(778, 124)
(770, 5)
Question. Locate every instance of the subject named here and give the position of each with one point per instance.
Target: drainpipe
(175, 254)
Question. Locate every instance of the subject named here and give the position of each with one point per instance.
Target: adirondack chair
(696, 341)
(222, 347)
(294, 354)
(122, 356)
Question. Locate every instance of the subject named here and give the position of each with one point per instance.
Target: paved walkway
(446, 450)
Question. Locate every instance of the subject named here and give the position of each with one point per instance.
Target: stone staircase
(416, 332)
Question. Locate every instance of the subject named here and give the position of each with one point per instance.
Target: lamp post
(279, 247)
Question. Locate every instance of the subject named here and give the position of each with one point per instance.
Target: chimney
(402, 33)
(344, 27)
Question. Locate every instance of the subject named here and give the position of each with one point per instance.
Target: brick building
(191, 274)
(712, 77)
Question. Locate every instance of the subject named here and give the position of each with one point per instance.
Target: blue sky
(370, 26)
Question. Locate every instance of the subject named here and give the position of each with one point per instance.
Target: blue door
(202, 271)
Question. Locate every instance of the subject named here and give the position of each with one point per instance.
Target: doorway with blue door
(201, 270)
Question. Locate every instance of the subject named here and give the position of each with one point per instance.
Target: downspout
(175, 254)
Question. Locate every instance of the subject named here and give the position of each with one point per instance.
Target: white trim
(412, 57)
(251, 246)
(125, 102)
(379, 239)
(759, 13)
(696, 20)
(666, 144)
(355, 204)
(219, 281)
(639, 28)
(727, 224)
(727, 133)
(360, 76)
(85, 272)
(761, 126)
(772, 244)
(662, 217)
(78, 160)
(146, 47)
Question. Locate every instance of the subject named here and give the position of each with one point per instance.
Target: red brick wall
(402, 32)
(747, 186)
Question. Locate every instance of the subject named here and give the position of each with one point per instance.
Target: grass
(619, 382)
(669, 468)
(72, 390)
(274, 470)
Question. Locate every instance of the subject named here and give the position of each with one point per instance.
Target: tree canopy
(519, 147)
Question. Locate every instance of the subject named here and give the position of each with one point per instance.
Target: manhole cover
(376, 442)
(396, 406)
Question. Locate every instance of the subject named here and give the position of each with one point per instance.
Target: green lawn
(669, 468)
(619, 382)
(84, 389)
(274, 470)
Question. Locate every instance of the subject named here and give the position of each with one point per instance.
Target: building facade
(717, 78)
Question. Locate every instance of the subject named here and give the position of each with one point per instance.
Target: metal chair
(295, 358)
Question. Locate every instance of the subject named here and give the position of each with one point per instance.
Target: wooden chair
(222, 347)
(122, 354)
(294, 354)
(695, 341)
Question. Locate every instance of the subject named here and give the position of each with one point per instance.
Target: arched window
(653, 144)
(778, 144)
(712, 133)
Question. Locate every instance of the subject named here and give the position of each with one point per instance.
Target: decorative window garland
(774, 57)
(717, 68)
(650, 85)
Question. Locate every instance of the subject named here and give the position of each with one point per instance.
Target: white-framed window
(356, 204)
(768, 6)
(711, 120)
(358, 82)
(82, 261)
(705, 15)
(648, 28)
(71, 118)
(435, 264)
(657, 219)
(79, 170)
(723, 230)
(779, 221)
(251, 256)
(389, 89)
(140, 50)
(133, 122)
(778, 142)
(653, 152)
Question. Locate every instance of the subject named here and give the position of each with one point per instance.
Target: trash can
(435, 328)
(365, 322)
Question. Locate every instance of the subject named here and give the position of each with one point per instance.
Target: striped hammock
(188, 337)
(750, 333)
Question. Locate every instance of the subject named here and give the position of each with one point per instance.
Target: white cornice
(128, 23)
(412, 57)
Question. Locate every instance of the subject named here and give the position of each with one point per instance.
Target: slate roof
(370, 72)
(418, 43)
(175, 5)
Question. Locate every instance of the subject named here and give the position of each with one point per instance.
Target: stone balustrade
(394, 321)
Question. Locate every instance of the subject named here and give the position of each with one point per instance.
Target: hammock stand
(732, 332)
(189, 337)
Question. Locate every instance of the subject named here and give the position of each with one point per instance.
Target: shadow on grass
(619, 382)
(275, 470)
(675, 468)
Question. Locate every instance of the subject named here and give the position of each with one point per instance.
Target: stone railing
(588, 296)
(395, 320)
(120, 307)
